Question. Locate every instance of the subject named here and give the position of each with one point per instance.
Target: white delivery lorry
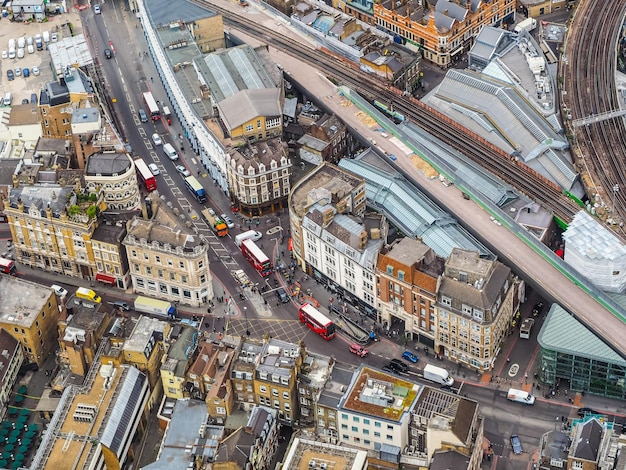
(249, 235)
(150, 306)
(438, 375)
(170, 151)
(527, 25)
(520, 396)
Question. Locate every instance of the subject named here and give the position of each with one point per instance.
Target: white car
(35, 70)
(182, 170)
(156, 138)
(5, 55)
(96, 9)
(58, 290)
(228, 221)
(154, 169)
(18, 72)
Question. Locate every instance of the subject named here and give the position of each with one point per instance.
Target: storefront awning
(105, 278)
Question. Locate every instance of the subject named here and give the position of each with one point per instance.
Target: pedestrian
(508, 359)
(152, 79)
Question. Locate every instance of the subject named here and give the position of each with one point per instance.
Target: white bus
(151, 104)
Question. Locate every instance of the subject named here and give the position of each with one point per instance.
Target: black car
(587, 411)
(282, 295)
(537, 309)
(121, 305)
(25, 101)
(107, 53)
(398, 366)
(10, 75)
(33, 98)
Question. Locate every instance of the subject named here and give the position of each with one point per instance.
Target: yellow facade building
(275, 379)
(30, 317)
(81, 327)
(476, 301)
(51, 227)
(167, 259)
(97, 424)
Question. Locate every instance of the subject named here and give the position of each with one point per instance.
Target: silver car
(228, 221)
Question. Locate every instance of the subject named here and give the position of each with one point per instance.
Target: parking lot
(22, 87)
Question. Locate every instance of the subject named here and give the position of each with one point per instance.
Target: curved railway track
(461, 139)
(589, 77)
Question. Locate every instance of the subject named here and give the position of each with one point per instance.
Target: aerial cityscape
(341, 235)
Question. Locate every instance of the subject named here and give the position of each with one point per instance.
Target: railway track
(471, 145)
(589, 83)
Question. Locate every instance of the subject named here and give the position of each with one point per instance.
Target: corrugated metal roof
(561, 332)
(124, 409)
(412, 211)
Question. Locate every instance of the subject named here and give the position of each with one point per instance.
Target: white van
(249, 235)
(20, 52)
(8, 97)
(46, 36)
(170, 151)
(520, 396)
(21, 42)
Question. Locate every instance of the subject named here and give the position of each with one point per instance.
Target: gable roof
(588, 441)
(249, 104)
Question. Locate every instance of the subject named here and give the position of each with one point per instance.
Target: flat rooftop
(142, 333)
(375, 393)
(21, 309)
(303, 451)
(329, 177)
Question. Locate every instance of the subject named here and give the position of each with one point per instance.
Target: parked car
(282, 295)
(96, 9)
(182, 170)
(587, 411)
(33, 98)
(154, 169)
(228, 221)
(18, 71)
(10, 75)
(516, 444)
(398, 366)
(58, 290)
(537, 309)
(121, 305)
(107, 53)
(30, 48)
(358, 350)
(5, 55)
(409, 356)
(35, 71)
(143, 117)
(156, 138)
(25, 101)
(26, 73)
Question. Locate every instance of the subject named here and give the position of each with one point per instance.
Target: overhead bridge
(598, 118)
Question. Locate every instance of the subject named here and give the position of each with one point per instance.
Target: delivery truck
(88, 294)
(526, 328)
(215, 222)
(527, 25)
(438, 375)
(248, 235)
(520, 396)
(161, 308)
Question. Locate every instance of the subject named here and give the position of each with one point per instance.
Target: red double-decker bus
(7, 266)
(145, 175)
(317, 321)
(256, 257)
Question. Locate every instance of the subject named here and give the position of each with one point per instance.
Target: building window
(400, 275)
(186, 294)
(376, 424)
(262, 389)
(390, 270)
(344, 426)
(286, 395)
